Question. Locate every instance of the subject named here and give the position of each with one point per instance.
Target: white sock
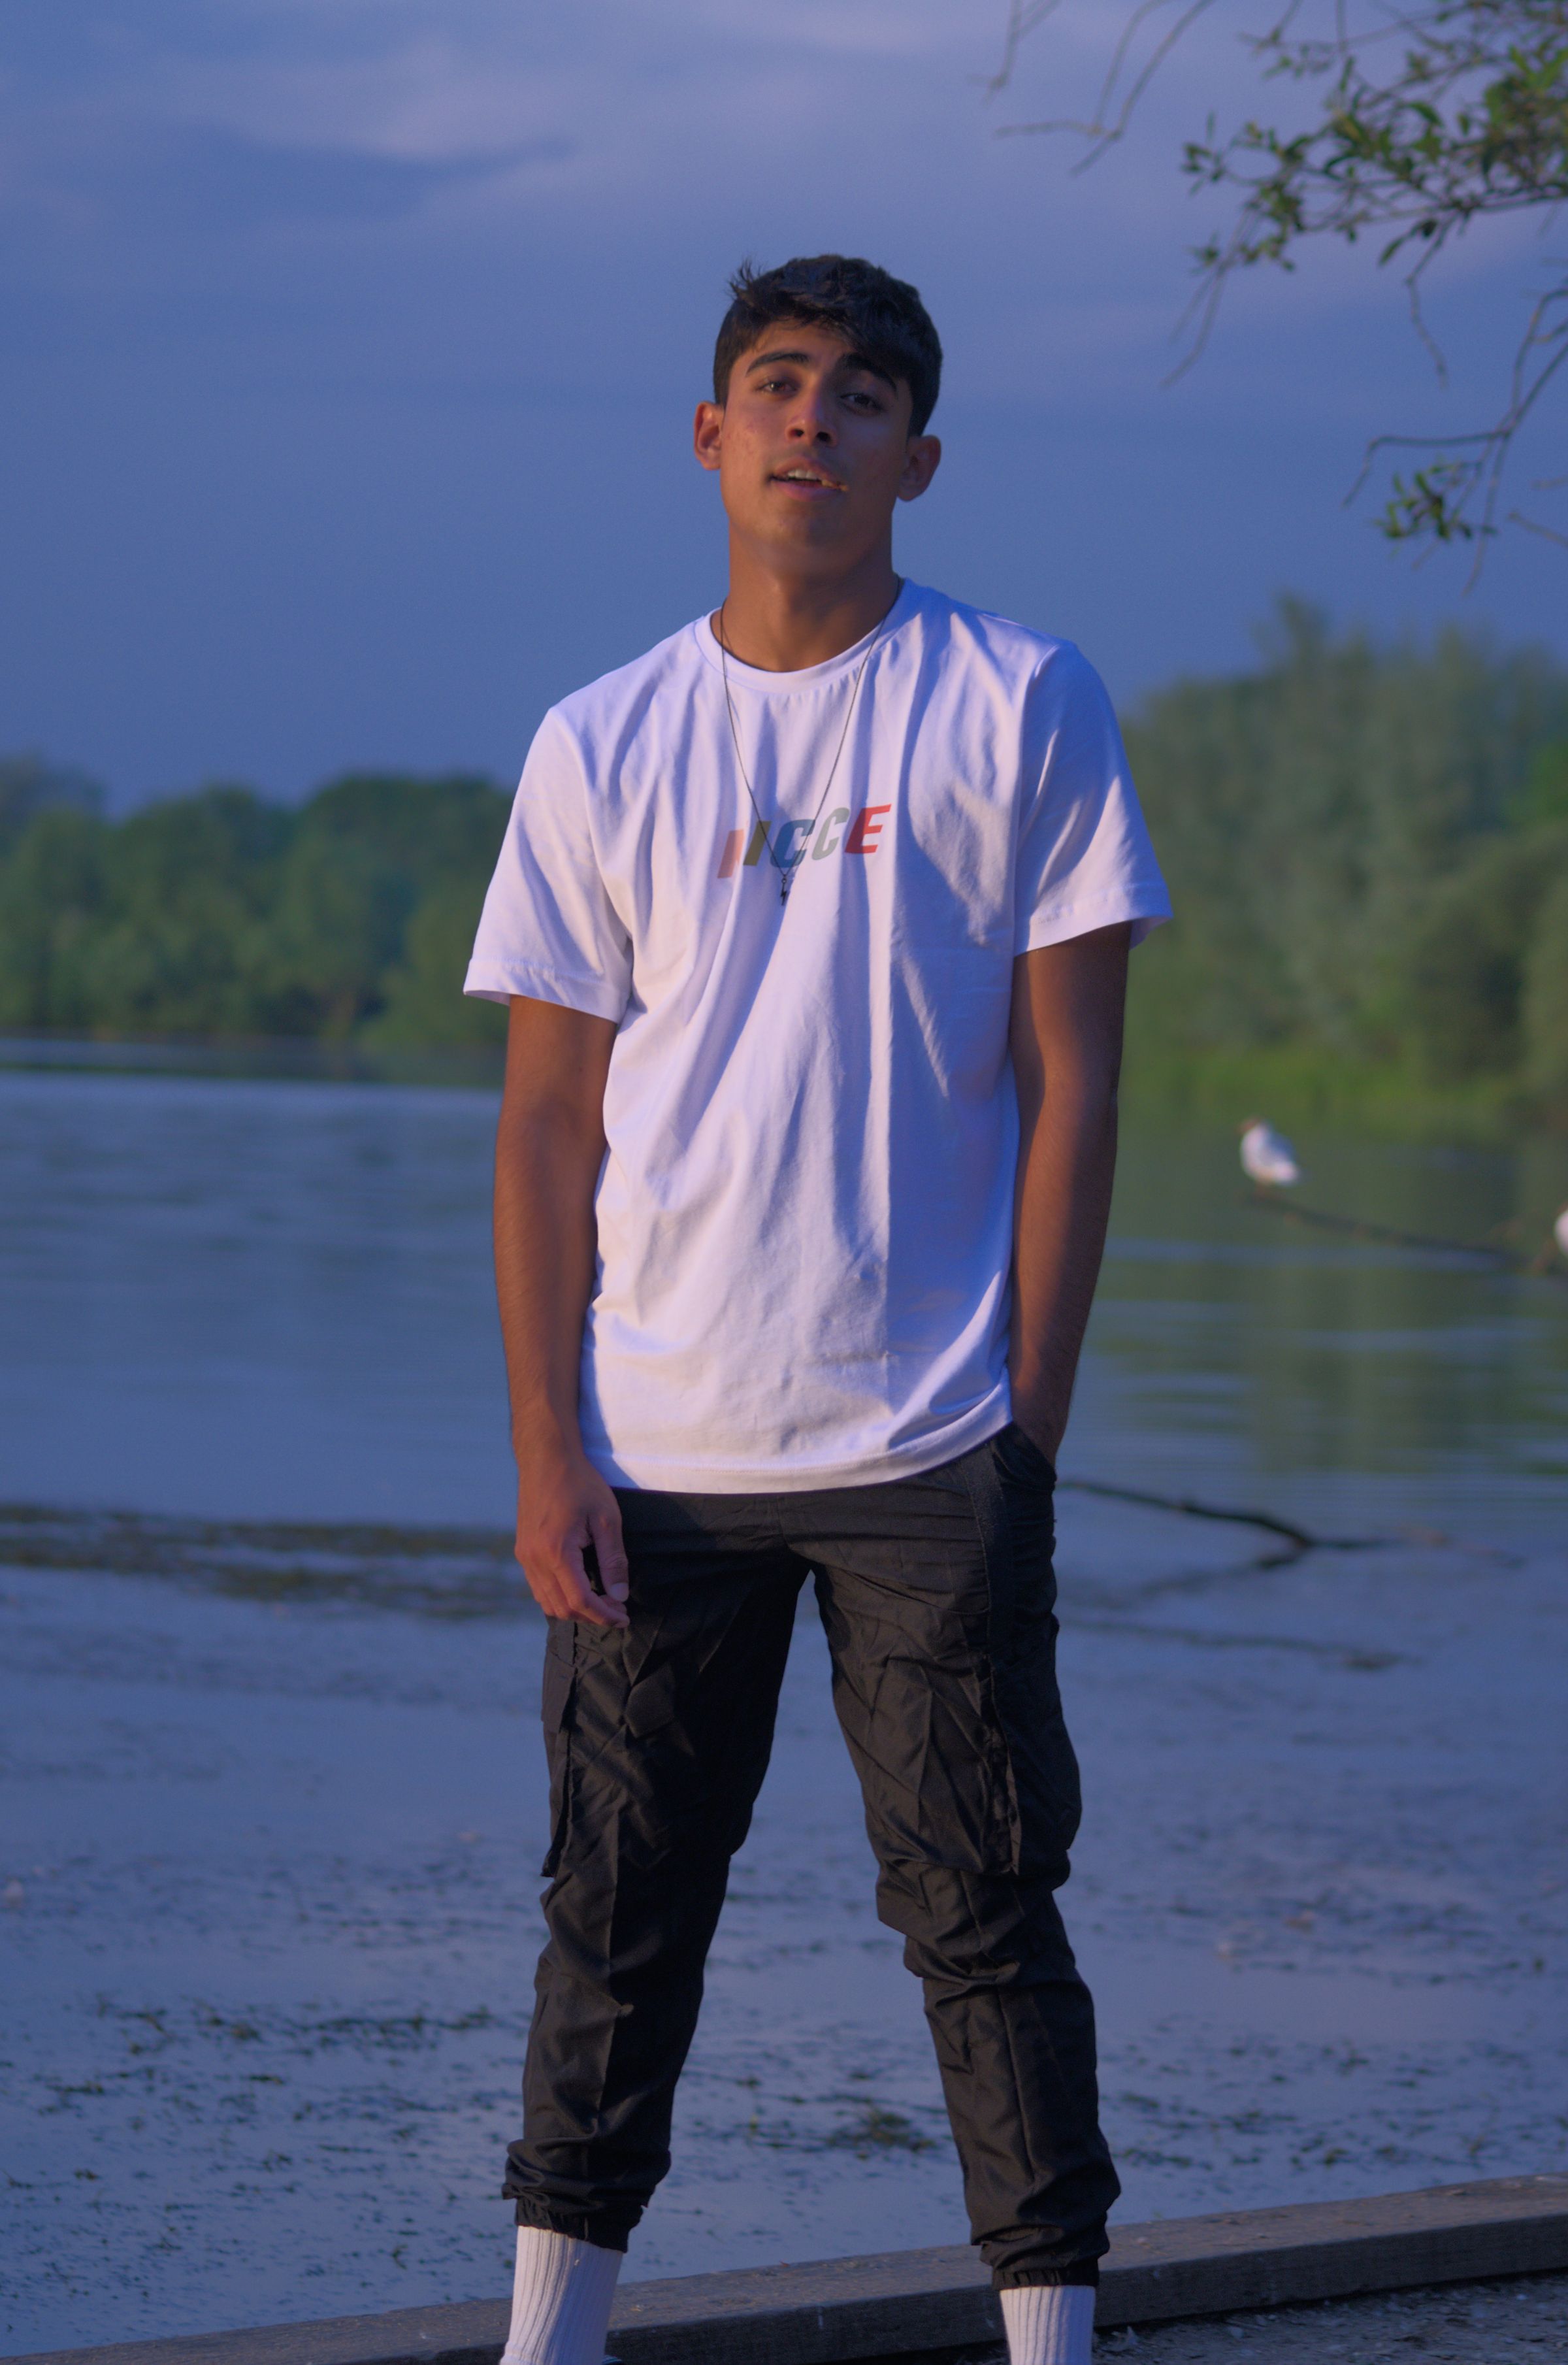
(560, 2305)
(1048, 2323)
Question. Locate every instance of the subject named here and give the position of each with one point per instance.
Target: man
(814, 924)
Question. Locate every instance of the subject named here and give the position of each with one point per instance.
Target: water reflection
(272, 1791)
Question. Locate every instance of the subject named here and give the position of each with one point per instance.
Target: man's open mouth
(806, 476)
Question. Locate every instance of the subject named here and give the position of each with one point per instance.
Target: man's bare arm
(1067, 1049)
(549, 1147)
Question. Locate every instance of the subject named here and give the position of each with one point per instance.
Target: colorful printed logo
(790, 847)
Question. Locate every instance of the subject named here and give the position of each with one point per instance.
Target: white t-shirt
(805, 1208)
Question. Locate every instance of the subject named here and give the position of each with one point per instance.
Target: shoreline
(938, 2304)
(1302, 1085)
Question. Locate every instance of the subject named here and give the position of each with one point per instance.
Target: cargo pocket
(652, 1701)
(559, 1698)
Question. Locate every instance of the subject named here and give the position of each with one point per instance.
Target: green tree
(1430, 118)
(335, 930)
(372, 852)
(1544, 1000)
(1544, 795)
(428, 828)
(425, 1004)
(223, 913)
(1341, 835)
(29, 786)
(186, 886)
(1466, 974)
(51, 896)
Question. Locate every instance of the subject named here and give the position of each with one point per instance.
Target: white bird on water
(1559, 1231)
(1266, 1156)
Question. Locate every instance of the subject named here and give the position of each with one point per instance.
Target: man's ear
(922, 456)
(707, 434)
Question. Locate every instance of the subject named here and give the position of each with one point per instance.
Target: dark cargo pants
(936, 1593)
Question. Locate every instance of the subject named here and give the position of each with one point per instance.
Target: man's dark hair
(882, 318)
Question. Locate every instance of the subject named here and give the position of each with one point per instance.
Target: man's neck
(781, 623)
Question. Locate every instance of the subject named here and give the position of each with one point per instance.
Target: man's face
(813, 448)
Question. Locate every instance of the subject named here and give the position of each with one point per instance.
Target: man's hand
(568, 1531)
(1040, 1423)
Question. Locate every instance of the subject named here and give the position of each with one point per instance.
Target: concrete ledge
(914, 2303)
(1334, 2249)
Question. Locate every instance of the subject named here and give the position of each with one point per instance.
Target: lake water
(272, 1791)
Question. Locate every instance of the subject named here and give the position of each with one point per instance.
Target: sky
(349, 349)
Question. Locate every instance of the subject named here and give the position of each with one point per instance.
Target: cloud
(209, 182)
(651, 142)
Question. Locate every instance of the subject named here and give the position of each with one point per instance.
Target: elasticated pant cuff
(1085, 2272)
(575, 2222)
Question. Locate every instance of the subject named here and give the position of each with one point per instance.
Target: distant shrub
(29, 786)
(222, 913)
(1367, 846)
(1363, 844)
(1545, 1001)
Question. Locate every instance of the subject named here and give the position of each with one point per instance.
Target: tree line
(224, 913)
(1367, 845)
(1368, 852)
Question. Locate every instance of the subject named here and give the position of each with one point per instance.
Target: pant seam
(988, 1672)
(993, 1707)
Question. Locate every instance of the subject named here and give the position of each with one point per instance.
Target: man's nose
(812, 422)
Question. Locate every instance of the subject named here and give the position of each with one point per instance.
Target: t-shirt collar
(806, 677)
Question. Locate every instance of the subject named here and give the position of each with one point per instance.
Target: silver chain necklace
(788, 870)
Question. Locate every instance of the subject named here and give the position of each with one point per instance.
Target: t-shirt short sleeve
(1084, 857)
(549, 930)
